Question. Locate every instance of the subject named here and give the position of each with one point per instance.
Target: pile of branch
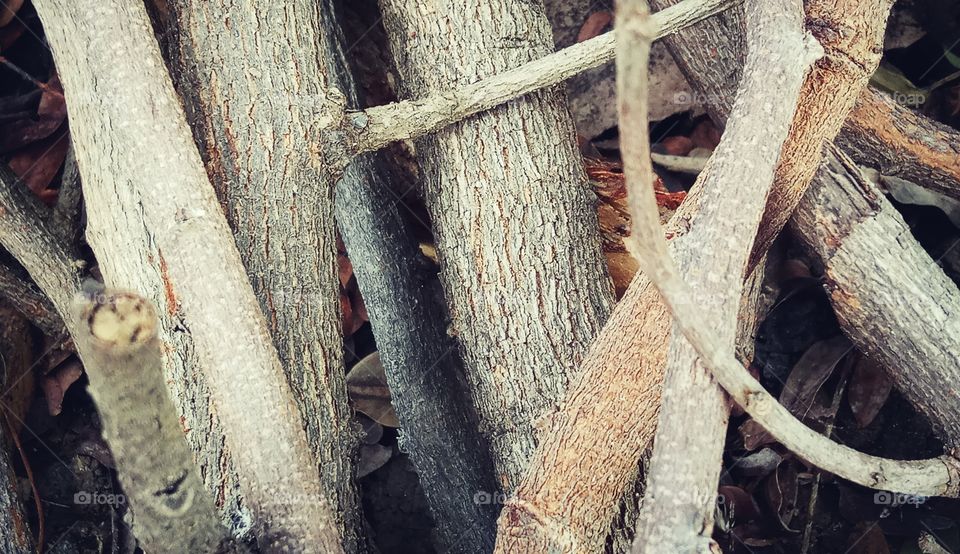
(555, 398)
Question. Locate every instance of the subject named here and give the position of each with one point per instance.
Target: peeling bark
(517, 238)
(900, 142)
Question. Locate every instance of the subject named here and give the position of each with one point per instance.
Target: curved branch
(938, 476)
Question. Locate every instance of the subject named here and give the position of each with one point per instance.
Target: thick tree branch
(851, 33)
(517, 240)
(899, 142)
(422, 365)
(677, 513)
(252, 106)
(884, 285)
(138, 160)
(376, 127)
(116, 335)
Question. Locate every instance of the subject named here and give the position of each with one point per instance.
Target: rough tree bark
(141, 170)
(252, 103)
(677, 513)
(710, 65)
(882, 283)
(899, 142)
(408, 316)
(516, 236)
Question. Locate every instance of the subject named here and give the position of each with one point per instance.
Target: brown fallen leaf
(56, 383)
(594, 25)
(368, 390)
(372, 458)
(39, 162)
(868, 391)
(781, 494)
(51, 112)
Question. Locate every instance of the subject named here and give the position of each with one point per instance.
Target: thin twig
(376, 127)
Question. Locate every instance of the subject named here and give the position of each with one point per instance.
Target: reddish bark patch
(167, 286)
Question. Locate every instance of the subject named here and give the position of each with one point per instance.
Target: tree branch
(139, 162)
(117, 340)
(901, 336)
(927, 477)
(25, 233)
(891, 298)
(278, 198)
(522, 320)
(677, 514)
(421, 361)
(376, 127)
(899, 142)
(25, 296)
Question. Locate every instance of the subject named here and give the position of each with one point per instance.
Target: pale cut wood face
(121, 320)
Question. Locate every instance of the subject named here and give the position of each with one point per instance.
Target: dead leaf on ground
(20, 129)
(372, 458)
(594, 25)
(781, 493)
(368, 390)
(56, 383)
(39, 162)
(8, 11)
(868, 391)
(868, 538)
(811, 372)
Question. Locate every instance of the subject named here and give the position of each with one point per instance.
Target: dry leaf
(368, 390)
(594, 25)
(868, 390)
(56, 383)
(8, 11)
(372, 458)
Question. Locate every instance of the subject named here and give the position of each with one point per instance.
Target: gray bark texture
(712, 254)
(117, 339)
(157, 228)
(438, 423)
(901, 338)
(905, 310)
(516, 234)
(251, 99)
